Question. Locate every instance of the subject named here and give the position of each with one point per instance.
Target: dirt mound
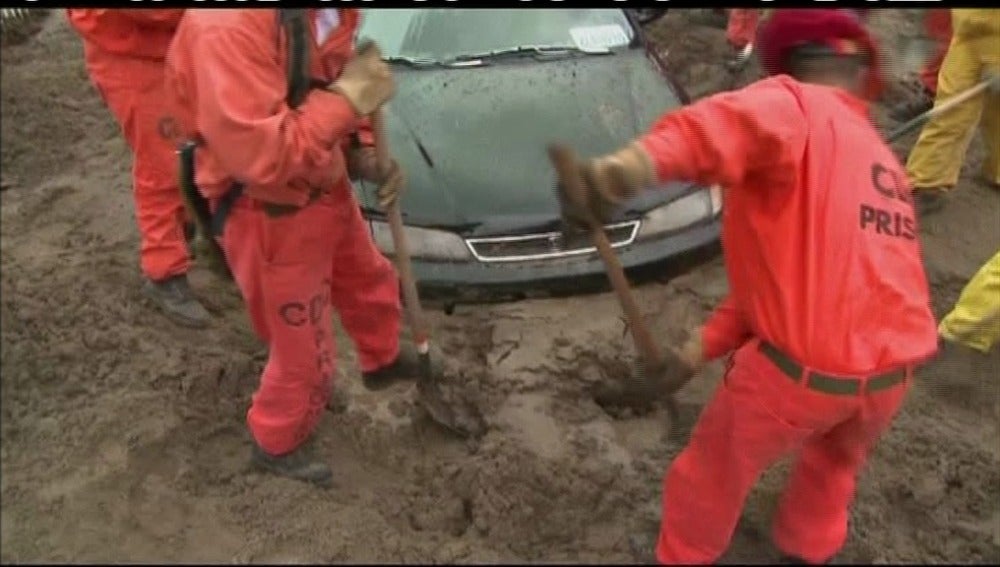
(698, 60)
(123, 436)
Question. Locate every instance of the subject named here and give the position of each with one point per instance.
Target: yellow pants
(975, 319)
(936, 159)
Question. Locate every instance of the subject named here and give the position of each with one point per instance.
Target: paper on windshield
(599, 38)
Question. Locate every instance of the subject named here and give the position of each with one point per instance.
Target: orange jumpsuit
(226, 76)
(742, 27)
(938, 25)
(124, 51)
(824, 265)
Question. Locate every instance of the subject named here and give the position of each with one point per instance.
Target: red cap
(838, 29)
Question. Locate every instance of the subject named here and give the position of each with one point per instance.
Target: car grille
(547, 245)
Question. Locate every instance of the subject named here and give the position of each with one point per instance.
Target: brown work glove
(677, 369)
(362, 164)
(692, 353)
(609, 181)
(665, 380)
(366, 81)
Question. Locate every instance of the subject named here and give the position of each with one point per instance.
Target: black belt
(229, 198)
(836, 385)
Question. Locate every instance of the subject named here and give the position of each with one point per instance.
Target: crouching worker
(274, 162)
(829, 309)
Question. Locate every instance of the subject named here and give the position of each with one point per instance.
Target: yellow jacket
(967, 23)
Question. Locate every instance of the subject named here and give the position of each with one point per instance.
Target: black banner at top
(663, 4)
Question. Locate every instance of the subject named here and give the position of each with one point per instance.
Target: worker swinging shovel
(659, 375)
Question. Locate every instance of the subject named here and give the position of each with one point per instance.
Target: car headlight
(681, 213)
(423, 242)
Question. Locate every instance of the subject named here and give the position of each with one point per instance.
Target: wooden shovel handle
(565, 162)
(400, 245)
(991, 83)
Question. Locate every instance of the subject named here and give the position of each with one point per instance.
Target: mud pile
(123, 436)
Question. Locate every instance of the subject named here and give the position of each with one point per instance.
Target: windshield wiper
(415, 62)
(521, 50)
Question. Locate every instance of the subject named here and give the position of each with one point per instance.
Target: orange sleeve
(241, 107)
(724, 331)
(161, 18)
(724, 138)
(365, 134)
(362, 136)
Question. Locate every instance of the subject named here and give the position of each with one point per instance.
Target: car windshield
(448, 34)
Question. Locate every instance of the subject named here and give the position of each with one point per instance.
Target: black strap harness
(294, 22)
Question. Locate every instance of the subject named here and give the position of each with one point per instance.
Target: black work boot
(913, 108)
(643, 548)
(175, 298)
(301, 464)
(929, 200)
(406, 367)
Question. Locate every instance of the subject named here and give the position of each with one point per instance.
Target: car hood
(472, 140)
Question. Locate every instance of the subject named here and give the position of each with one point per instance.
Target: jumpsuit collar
(854, 102)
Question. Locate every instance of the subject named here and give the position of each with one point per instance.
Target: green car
(480, 94)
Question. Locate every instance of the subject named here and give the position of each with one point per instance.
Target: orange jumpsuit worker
(124, 52)
(295, 240)
(829, 307)
(937, 24)
(741, 30)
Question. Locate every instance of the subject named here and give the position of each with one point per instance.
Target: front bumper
(475, 278)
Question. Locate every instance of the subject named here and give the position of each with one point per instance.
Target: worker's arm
(242, 111)
(359, 151)
(721, 140)
(362, 163)
(365, 135)
(726, 137)
(724, 331)
(159, 18)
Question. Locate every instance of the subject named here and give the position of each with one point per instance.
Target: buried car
(480, 94)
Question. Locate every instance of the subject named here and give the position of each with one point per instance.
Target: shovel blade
(434, 403)
(648, 384)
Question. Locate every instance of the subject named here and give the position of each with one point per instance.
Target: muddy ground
(123, 436)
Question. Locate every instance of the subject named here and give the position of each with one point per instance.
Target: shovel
(649, 380)
(991, 83)
(430, 394)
